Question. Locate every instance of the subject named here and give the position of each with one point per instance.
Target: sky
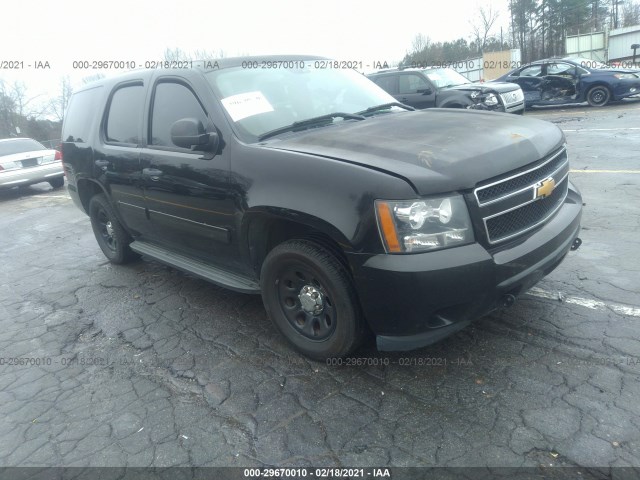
(63, 31)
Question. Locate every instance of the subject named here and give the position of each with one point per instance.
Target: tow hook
(576, 244)
(507, 300)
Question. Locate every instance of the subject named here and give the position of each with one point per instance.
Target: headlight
(491, 100)
(422, 225)
(625, 76)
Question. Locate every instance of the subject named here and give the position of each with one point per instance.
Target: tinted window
(387, 83)
(411, 83)
(125, 115)
(80, 113)
(19, 145)
(172, 102)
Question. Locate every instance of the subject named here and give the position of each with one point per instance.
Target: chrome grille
(515, 204)
(509, 98)
(525, 217)
(517, 182)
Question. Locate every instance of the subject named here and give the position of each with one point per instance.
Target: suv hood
(499, 87)
(436, 150)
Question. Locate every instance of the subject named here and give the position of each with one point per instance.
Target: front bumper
(31, 175)
(626, 89)
(515, 108)
(415, 300)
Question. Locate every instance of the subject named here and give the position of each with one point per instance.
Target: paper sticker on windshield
(246, 105)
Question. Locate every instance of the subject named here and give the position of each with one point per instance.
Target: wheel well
(265, 234)
(86, 190)
(599, 84)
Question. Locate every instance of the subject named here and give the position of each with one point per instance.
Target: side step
(215, 275)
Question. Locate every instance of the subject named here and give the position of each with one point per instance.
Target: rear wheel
(598, 96)
(57, 182)
(309, 296)
(111, 236)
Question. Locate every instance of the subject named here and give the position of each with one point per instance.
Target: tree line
(537, 27)
(25, 115)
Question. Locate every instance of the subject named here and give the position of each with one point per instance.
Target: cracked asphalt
(142, 365)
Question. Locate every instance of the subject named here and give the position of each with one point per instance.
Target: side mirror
(190, 133)
(425, 91)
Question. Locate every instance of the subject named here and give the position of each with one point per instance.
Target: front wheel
(598, 96)
(309, 296)
(111, 236)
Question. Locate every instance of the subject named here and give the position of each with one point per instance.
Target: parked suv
(446, 88)
(312, 186)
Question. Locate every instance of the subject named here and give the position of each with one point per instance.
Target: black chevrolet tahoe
(446, 88)
(348, 211)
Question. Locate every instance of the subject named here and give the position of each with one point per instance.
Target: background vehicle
(312, 186)
(444, 87)
(23, 161)
(555, 81)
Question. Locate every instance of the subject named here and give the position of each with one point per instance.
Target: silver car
(23, 161)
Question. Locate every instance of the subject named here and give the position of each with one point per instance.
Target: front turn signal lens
(388, 228)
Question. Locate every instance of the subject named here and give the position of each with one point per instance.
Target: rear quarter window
(80, 114)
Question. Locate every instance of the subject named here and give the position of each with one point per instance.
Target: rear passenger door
(187, 191)
(117, 156)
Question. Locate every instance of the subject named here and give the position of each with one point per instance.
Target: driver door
(560, 82)
(416, 91)
(187, 191)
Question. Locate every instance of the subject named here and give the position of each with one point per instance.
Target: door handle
(103, 164)
(154, 173)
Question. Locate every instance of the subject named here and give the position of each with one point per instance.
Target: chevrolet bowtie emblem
(545, 187)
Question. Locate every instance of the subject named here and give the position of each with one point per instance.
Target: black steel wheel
(111, 236)
(598, 96)
(310, 297)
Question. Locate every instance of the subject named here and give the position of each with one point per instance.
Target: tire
(327, 326)
(57, 182)
(598, 96)
(111, 236)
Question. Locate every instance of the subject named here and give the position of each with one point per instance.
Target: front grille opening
(527, 216)
(492, 192)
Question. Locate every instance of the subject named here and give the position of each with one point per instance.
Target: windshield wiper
(309, 122)
(385, 106)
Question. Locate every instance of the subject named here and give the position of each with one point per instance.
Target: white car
(23, 161)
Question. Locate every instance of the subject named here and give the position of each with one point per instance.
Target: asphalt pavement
(142, 365)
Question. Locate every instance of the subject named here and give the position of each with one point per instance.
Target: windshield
(19, 145)
(262, 100)
(445, 77)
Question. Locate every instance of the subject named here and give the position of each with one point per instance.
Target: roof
(202, 65)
